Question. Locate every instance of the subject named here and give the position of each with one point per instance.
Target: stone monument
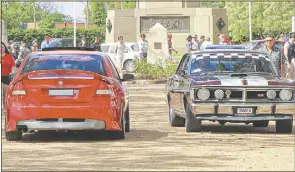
(180, 18)
(158, 45)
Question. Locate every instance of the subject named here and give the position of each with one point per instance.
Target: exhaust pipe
(22, 128)
(19, 128)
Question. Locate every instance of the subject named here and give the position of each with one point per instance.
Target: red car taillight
(18, 89)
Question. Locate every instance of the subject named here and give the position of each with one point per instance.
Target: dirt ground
(153, 145)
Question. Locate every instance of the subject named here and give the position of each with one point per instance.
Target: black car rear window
(91, 63)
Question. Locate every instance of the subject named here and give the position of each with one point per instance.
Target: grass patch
(145, 70)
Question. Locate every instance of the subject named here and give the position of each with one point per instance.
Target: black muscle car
(229, 86)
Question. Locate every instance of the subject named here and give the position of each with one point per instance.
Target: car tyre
(118, 135)
(260, 124)
(175, 121)
(13, 136)
(192, 124)
(284, 126)
(127, 117)
(129, 66)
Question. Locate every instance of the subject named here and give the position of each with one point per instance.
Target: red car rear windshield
(91, 63)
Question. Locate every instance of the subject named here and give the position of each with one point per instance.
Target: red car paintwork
(36, 104)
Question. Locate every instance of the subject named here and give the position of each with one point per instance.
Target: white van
(131, 53)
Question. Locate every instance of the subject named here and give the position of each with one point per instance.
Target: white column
(74, 23)
(250, 22)
(293, 24)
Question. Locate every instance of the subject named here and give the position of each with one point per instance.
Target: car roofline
(227, 51)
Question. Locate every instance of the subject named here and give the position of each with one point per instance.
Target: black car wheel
(260, 124)
(127, 124)
(284, 126)
(175, 121)
(12, 135)
(119, 134)
(192, 124)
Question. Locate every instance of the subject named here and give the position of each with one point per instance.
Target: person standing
(275, 55)
(170, 46)
(119, 51)
(195, 43)
(83, 43)
(14, 52)
(96, 45)
(45, 43)
(289, 49)
(8, 66)
(202, 39)
(143, 46)
(24, 51)
(188, 45)
(35, 47)
(206, 43)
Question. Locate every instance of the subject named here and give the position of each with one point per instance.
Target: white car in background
(131, 53)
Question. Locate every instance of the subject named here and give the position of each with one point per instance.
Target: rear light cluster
(19, 92)
(103, 92)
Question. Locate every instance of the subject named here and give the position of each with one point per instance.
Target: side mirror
(127, 77)
(183, 72)
(11, 76)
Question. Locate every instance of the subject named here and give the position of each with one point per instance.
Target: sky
(68, 9)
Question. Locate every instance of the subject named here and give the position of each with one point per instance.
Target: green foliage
(18, 13)
(151, 71)
(29, 35)
(267, 18)
(98, 12)
(50, 20)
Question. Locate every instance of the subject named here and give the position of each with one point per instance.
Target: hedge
(28, 35)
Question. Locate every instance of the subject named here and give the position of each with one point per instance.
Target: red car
(66, 89)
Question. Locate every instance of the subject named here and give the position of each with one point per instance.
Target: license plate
(68, 92)
(245, 110)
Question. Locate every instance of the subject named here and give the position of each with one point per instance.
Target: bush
(145, 70)
(28, 35)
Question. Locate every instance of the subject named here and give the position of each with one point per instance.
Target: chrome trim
(239, 118)
(88, 124)
(226, 108)
(61, 77)
(243, 86)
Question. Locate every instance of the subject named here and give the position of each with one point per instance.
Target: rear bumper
(96, 117)
(88, 124)
(227, 112)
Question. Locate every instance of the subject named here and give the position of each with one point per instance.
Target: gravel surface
(153, 145)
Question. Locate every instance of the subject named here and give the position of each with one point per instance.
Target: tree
(51, 19)
(19, 13)
(267, 18)
(98, 12)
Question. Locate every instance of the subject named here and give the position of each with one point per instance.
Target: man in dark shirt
(275, 55)
(96, 45)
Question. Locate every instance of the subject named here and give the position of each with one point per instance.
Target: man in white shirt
(206, 43)
(119, 51)
(45, 43)
(143, 46)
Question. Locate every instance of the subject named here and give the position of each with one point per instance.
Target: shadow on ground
(133, 135)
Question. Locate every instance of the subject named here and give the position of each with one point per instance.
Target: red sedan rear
(66, 90)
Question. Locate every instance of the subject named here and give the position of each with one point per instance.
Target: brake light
(19, 92)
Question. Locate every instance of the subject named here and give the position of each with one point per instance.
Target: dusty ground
(153, 145)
